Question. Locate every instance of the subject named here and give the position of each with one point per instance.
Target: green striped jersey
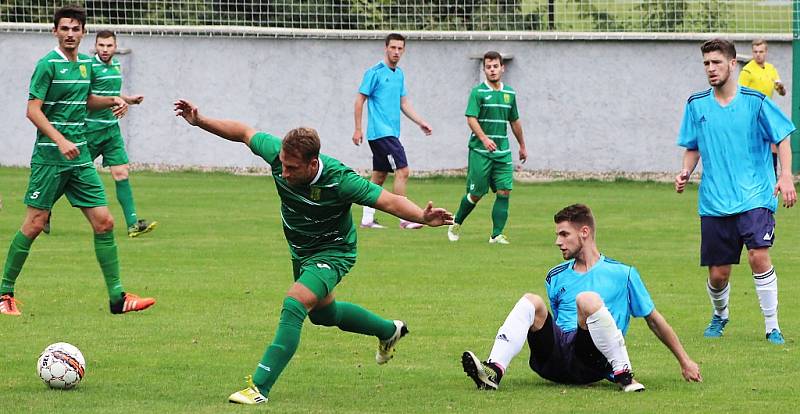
(316, 217)
(494, 109)
(107, 81)
(63, 86)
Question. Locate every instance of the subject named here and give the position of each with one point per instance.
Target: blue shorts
(722, 238)
(566, 357)
(388, 154)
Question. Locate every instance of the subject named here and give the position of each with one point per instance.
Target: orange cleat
(131, 303)
(8, 306)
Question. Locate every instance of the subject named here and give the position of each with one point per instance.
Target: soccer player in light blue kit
(383, 88)
(592, 299)
(731, 128)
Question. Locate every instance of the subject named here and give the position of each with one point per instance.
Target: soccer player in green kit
(492, 105)
(316, 193)
(103, 133)
(59, 94)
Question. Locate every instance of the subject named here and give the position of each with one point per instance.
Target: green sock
(105, 248)
(278, 354)
(17, 253)
(499, 215)
(464, 209)
(350, 317)
(125, 198)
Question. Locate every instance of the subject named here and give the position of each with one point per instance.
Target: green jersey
(316, 216)
(106, 81)
(63, 86)
(494, 109)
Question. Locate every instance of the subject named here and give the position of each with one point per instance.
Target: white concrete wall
(586, 106)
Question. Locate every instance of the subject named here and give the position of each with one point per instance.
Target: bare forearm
(224, 128)
(690, 160)
(785, 156)
(409, 112)
(399, 206)
(95, 102)
(663, 331)
(40, 121)
(516, 128)
(475, 126)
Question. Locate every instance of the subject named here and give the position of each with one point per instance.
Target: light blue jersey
(734, 144)
(618, 284)
(383, 88)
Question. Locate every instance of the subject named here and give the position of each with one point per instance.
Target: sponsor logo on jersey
(84, 73)
(502, 337)
(63, 71)
(487, 97)
(323, 266)
(105, 70)
(702, 118)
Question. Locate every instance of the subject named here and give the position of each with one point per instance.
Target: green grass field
(219, 266)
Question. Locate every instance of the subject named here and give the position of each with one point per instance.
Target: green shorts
(321, 272)
(109, 143)
(48, 183)
(484, 173)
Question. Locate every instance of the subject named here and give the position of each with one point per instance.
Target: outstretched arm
(403, 208)
(664, 332)
(224, 128)
(132, 99)
(118, 105)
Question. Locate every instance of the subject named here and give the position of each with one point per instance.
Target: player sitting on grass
(316, 193)
(593, 298)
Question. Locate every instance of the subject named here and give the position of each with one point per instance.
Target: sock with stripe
(17, 254)
(512, 335)
(105, 248)
(466, 207)
(608, 339)
(125, 198)
(767, 291)
(499, 214)
(719, 299)
(283, 346)
(368, 216)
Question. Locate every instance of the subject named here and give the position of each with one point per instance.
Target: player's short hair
(759, 42)
(105, 34)
(395, 36)
(578, 214)
(70, 12)
(492, 55)
(719, 45)
(302, 142)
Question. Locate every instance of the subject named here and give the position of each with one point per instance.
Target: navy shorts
(566, 357)
(388, 154)
(722, 238)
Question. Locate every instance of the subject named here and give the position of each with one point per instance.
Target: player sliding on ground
(582, 341)
(316, 193)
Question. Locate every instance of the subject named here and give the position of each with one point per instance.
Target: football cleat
(131, 303)
(774, 337)
(715, 327)
(141, 226)
(624, 379)
(409, 225)
(454, 232)
(8, 306)
(485, 375)
(499, 239)
(386, 347)
(372, 225)
(250, 395)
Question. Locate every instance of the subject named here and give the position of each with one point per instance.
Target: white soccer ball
(61, 365)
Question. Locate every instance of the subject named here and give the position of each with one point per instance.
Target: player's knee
(401, 173)
(589, 302)
(536, 300)
(474, 198)
(103, 224)
(119, 173)
(503, 193)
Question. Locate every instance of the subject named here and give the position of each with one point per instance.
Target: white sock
(608, 339)
(767, 291)
(368, 216)
(719, 299)
(512, 335)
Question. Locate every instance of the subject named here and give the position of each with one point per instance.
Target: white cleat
(499, 239)
(454, 232)
(386, 347)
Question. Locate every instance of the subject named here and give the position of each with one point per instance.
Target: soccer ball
(61, 365)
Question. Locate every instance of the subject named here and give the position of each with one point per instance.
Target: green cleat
(142, 226)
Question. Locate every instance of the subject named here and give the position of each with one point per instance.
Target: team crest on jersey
(506, 98)
(316, 192)
(83, 71)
